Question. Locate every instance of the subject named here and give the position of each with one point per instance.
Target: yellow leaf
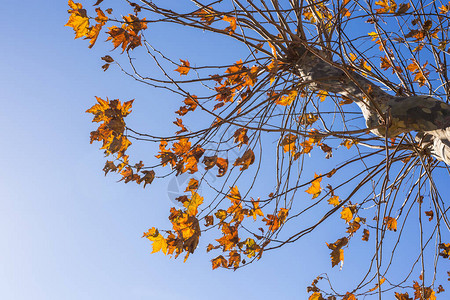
(287, 99)
(78, 19)
(193, 204)
(158, 241)
(315, 188)
(346, 214)
(315, 296)
(391, 223)
(334, 200)
(376, 285)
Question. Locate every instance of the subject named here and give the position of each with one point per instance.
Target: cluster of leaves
(267, 83)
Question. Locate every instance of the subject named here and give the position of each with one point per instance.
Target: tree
(285, 114)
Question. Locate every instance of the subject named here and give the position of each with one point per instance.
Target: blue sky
(69, 232)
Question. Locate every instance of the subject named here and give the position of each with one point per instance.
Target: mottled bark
(426, 115)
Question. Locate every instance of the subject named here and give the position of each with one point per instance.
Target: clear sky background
(69, 232)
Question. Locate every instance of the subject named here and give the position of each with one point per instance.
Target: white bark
(426, 115)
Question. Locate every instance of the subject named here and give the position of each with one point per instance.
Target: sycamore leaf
(192, 185)
(193, 204)
(366, 235)
(315, 188)
(287, 99)
(346, 214)
(232, 28)
(348, 143)
(404, 7)
(158, 241)
(246, 160)
(430, 215)
(391, 223)
(403, 296)
(148, 177)
(349, 296)
(334, 200)
(256, 211)
(316, 296)
(219, 261)
(376, 285)
(240, 137)
(184, 68)
(337, 254)
(78, 19)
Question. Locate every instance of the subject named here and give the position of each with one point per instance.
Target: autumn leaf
(308, 119)
(403, 296)
(209, 221)
(234, 195)
(404, 7)
(445, 250)
(256, 211)
(334, 200)
(287, 99)
(348, 143)
(193, 204)
(275, 221)
(78, 19)
(316, 296)
(206, 15)
(315, 188)
(158, 241)
(232, 28)
(349, 296)
(182, 146)
(430, 215)
(288, 143)
(245, 160)
(366, 235)
(184, 68)
(219, 261)
(337, 253)
(192, 185)
(148, 177)
(391, 223)
(240, 137)
(376, 285)
(346, 214)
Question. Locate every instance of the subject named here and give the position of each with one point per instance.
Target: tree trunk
(428, 116)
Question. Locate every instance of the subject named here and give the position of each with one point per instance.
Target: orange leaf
(219, 261)
(366, 235)
(391, 223)
(315, 188)
(184, 68)
(232, 20)
(316, 296)
(376, 285)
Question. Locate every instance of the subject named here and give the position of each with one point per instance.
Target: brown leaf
(366, 235)
(246, 160)
(108, 59)
(429, 214)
